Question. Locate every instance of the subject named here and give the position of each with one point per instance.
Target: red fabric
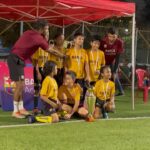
(61, 12)
(140, 76)
(28, 43)
(111, 50)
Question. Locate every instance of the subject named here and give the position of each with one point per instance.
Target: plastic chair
(140, 76)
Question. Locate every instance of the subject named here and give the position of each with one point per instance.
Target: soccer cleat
(18, 115)
(24, 112)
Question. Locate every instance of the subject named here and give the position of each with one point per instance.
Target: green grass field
(122, 134)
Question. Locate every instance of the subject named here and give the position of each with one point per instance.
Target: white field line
(74, 121)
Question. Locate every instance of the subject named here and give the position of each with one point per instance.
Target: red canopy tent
(64, 12)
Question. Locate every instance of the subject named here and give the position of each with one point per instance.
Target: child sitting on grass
(49, 91)
(104, 91)
(69, 94)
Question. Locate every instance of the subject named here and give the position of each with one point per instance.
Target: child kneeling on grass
(49, 91)
(69, 94)
(104, 91)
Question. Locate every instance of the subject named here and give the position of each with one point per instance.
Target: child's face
(79, 40)
(45, 30)
(68, 80)
(95, 45)
(60, 40)
(107, 73)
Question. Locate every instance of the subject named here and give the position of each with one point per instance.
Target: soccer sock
(16, 106)
(35, 101)
(20, 105)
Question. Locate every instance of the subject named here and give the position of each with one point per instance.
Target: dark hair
(112, 30)
(78, 34)
(48, 68)
(58, 35)
(40, 24)
(96, 38)
(102, 70)
(72, 74)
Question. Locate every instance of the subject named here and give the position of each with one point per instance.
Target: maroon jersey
(28, 43)
(111, 50)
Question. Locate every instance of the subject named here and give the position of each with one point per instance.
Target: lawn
(123, 134)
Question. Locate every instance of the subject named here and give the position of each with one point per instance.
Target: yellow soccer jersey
(59, 61)
(104, 90)
(96, 60)
(49, 88)
(40, 56)
(72, 94)
(76, 61)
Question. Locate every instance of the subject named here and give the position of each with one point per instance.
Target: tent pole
(133, 62)
(21, 27)
(83, 29)
(136, 39)
(63, 28)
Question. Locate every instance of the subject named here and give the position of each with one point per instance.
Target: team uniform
(41, 57)
(72, 94)
(23, 49)
(50, 90)
(60, 65)
(76, 62)
(111, 50)
(96, 60)
(103, 92)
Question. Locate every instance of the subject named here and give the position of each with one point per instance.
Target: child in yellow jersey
(96, 59)
(49, 91)
(104, 91)
(58, 46)
(69, 94)
(38, 60)
(77, 61)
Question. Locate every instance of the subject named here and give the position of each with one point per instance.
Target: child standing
(77, 61)
(49, 91)
(104, 91)
(96, 59)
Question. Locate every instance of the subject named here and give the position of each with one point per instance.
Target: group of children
(62, 82)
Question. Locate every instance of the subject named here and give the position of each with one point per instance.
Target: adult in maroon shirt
(113, 47)
(23, 49)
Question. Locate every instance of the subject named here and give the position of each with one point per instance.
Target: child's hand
(59, 105)
(67, 116)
